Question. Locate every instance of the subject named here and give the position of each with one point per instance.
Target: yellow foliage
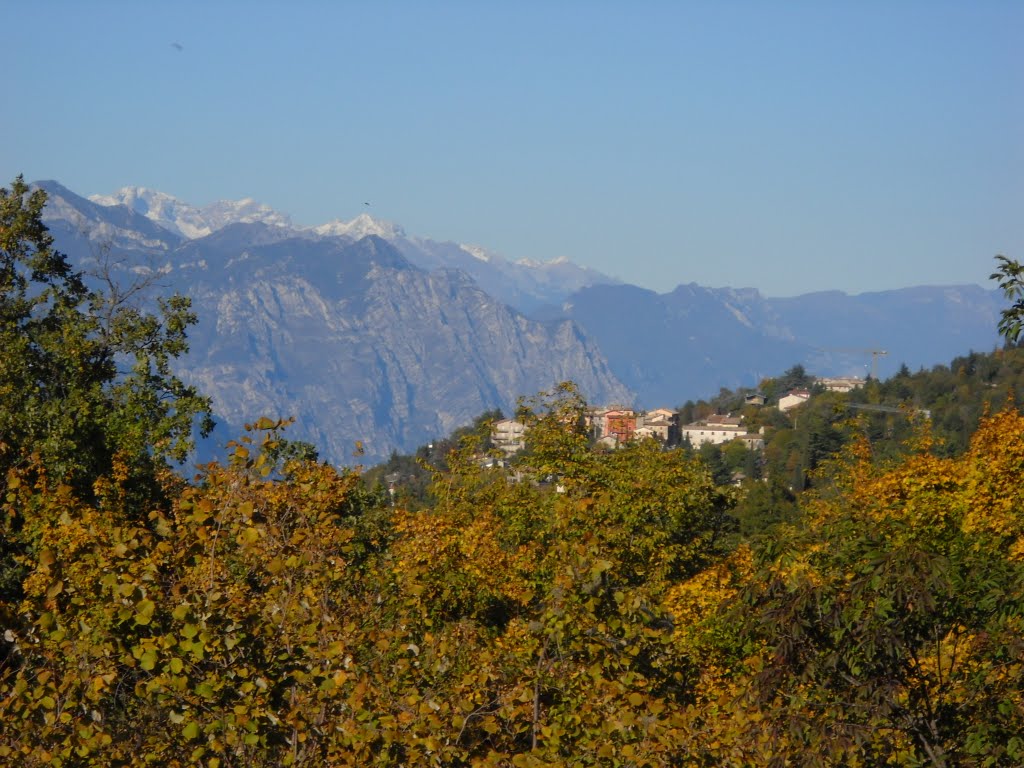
(702, 595)
(269, 619)
(993, 470)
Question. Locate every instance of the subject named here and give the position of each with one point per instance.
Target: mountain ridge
(525, 283)
(349, 336)
(420, 323)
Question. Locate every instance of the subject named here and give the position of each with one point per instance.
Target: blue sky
(791, 147)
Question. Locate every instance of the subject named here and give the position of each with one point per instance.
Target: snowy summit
(361, 226)
(188, 220)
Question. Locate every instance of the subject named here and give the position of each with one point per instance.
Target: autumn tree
(86, 386)
(219, 631)
(581, 555)
(886, 628)
(258, 621)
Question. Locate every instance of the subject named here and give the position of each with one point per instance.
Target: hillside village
(614, 426)
(768, 442)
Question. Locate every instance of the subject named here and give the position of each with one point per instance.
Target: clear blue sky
(789, 146)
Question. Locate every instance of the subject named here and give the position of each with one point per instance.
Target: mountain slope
(348, 336)
(359, 344)
(78, 222)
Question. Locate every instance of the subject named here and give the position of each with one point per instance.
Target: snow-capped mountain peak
(188, 220)
(529, 263)
(167, 211)
(476, 252)
(361, 226)
(244, 211)
(525, 283)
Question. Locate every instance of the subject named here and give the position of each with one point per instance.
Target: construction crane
(875, 354)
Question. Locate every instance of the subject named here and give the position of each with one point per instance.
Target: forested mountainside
(950, 401)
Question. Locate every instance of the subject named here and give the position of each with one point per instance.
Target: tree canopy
(84, 376)
(594, 612)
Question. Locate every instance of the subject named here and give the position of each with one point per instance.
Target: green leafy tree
(84, 375)
(1010, 276)
(763, 505)
(711, 455)
(796, 377)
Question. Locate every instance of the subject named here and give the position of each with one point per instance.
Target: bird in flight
(178, 46)
(365, 203)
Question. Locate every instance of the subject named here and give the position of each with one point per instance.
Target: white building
(842, 383)
(718, 430)
(659, 414)
(793, 398)
(508, 436)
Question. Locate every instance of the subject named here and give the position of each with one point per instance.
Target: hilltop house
(508, 436)
(793, 398)
(659, 414)
(721, 429)
(842, 383)
(660, 424)
(621, 423)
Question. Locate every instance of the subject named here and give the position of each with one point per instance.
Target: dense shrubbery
(296, 620)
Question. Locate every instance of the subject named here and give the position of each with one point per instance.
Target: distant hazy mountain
(919, 326)
(690, 342)
(525, 284)
(685, 344)
(367, 333)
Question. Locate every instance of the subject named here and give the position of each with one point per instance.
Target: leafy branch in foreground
(1010, 276)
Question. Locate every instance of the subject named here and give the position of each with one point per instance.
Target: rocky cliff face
(359, 344)
(350, 337)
